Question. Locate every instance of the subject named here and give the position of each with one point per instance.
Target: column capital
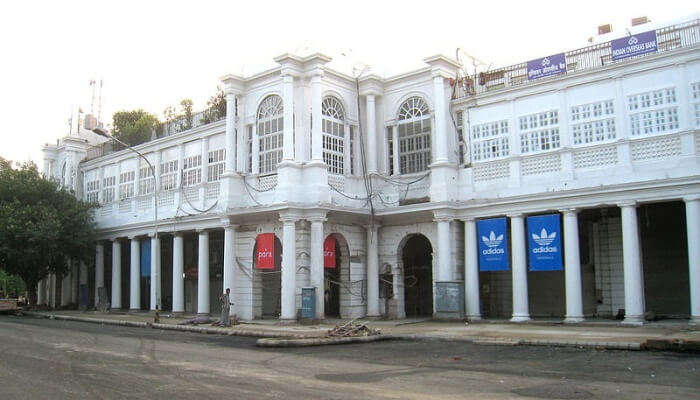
(177, 234)
(153, 235)
(227, 222)
(316, 74)
(627, 203)
(692, 197)
(203, 231)
(569, 210)
(317, 217)
(515, 215)
(288, 216)
(467, 219)
(443, 215)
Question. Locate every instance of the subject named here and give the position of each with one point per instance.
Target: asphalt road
(43, 359)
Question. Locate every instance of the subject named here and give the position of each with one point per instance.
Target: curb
(322, 341)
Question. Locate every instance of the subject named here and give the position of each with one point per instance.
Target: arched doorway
(331, 279)
(341, 295)
(417, 259)
(270, 283)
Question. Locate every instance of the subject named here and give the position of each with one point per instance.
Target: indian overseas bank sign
(634, 45)
(493, 244)
(544, 242)
(546, 66)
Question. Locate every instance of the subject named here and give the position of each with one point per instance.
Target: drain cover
(557, 391)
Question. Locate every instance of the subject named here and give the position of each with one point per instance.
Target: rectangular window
(168, 175)
(593, 122)
(270, 142)
(390, 148)
(490, 141)
(249, 147)
(146, 184)
(695, 99)
(108, 184)
(414, 145)
(460, 136)
(126, 185)
(653, 112)
(192, 170)
(539, 132)
(333, 136)
(92, 191)
(352, 150)
(217, 162)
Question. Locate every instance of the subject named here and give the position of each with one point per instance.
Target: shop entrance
(417, 257)
(270, 281)
(331, 282)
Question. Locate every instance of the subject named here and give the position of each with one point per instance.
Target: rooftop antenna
(92, 98)
(99, 104)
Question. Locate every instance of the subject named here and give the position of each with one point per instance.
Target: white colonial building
(387, 179)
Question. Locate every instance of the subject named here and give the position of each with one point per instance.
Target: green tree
(186, 112)
(134, 127)
(42, 226)
(216, 107)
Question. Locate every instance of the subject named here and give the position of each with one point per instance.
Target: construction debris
(352, 329)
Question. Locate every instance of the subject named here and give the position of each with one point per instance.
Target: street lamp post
(100, 131)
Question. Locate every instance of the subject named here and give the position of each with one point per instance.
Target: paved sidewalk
(666, 335)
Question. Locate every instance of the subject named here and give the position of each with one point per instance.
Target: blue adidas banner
(493, 244)
(544, 242)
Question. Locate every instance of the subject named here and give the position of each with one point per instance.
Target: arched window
(270, 122)
(333, 128)
(414, 136)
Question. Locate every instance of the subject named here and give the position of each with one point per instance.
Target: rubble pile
(353, 328)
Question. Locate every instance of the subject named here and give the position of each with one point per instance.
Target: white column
(289, 268)
(373, 270)
(230, 262)
(135, 275)
(572, 267)
(692, 221)
(230, 132)
(471, 271)
(395, 146)
(316, 118)
(65, 289)
(521, 311)
(74, 283)
(99, 270)
(178, 274)
(203, 274)
(116, 274)
(631, 256)
(371, 145)
(288, 134)
(444, 248)
(41, 287)
(317, 264)
(155, 273)
(440, 131)
(83, 281)
(255, 150)
(52, 291)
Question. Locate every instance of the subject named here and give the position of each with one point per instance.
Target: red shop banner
(266, 251)
(329, 252)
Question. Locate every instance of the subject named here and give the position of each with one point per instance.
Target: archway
(337, 286)
(417, 259)
(270, 282)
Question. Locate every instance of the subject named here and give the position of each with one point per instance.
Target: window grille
(390, 149)
(490, 140)
(695, 99)
(333, 131)
(414, 136)
(217, 162)
(460, 136)
(168, 175)
(352, 150)
(270, 133)
(593, 122)
(651, 112)
(192, 170)
(539, 132)
(126, 185)
(92, 191)
(108, 184)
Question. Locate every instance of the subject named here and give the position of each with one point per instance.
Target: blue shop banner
(546, 66)
(493, 244)
(634, 45)
(146, 258)
(544, 242)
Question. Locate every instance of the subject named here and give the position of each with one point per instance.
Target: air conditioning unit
(603, 29)
(639, 21)
(90, 122)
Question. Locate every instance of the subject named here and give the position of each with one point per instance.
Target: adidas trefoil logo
(543, 239)
(492, 240)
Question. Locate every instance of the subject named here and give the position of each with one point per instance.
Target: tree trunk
(32, 293)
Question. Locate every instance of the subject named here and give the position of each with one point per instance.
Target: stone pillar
(521, 310)
(444, 248)
(316, 118)
(317, 240)
(572, 267)
(471, 271)
(440, 131)
(395, 149)
(230, 132)
(631, 256)
(178, 274)
(135, 275)
(692, 222)
(99, 270)
(288, 134)
(41, 290)
(74, 283)
(155, 273)
(203, 274)
(371, 146)
(373, 270)
(230, 267)
(52, 290)
(289, 267)
(116, 274)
